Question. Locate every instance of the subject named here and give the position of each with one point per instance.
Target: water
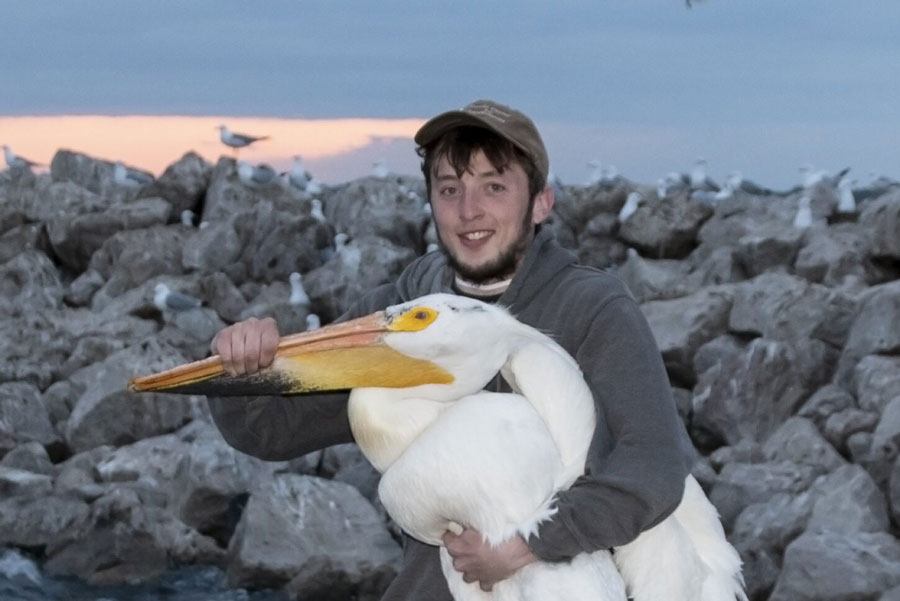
(22, 580)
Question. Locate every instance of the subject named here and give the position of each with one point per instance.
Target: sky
(645, 85)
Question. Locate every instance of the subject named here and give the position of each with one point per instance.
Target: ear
(543, 204)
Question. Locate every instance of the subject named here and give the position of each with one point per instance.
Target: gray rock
(826, 566)
(346, 463)
(23, 417)
(29, 236)
(760, 568)
(106, 413)
(30, 281)
(191, 331)
(82, 288)
(891, 595)
(798, 440)
(749, 394)
(740, 485)
(87, 172)
(223, 296)
(746, 451)
(182, 184)
(843, 424)
(16, 482)
(29, 456)
(35, 522)
(877, 381)
(833, 255)
(294, 519)
(75, 240)
(873, 331)
(824, 403)
(213, 248)
(881, 219)
(579, 204)
(649, 280)
(894, 491)
(850, 502)
(768, 250)
(61, 199)
(356, 268)
(711, 266)
(371, 206)
(666, 229)
(324, 579)
(682, 325)
(228, 196)
(774, 522)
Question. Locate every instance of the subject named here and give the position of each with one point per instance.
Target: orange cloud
(154, 142)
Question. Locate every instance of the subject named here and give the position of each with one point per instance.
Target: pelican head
(451, 344)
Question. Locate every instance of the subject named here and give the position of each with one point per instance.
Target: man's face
(484, 218)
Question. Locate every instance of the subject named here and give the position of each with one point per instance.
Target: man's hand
(478, 561)
(247, 346)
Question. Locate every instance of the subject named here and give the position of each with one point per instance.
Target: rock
(213, 248)
(82, 288)
(653, 280)
(824, 403)
(346, 463)
(667, 229)
(682, 325)
(23, 483)
(75, 240)
(378, 207)
(29, 236)
(294, 519)
(765, 251)
(760, 568)
(31, 457)
(183, 183)
(894, 491)
(23, 417)
(30, 281)
(881, 219)
(228, 196)
(798, 440)
(877, 381)
(36, 522)
(740, 485)
(87, 172)
(106, 413)
(191, 331)
(223, 296)
(843, 424)
(579, 204)
(356, 268)
(748, 394)
(746, 451)
(714, 266)
(850, 502)
(774, 522)
(61, 199)
(831, 256)
(324, 579)
(873, 330)
(826, 566)
(884, 445)
(76, 477)
(131, 257)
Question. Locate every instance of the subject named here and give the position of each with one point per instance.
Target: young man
(485, 169)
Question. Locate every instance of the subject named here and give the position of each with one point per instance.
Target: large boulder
(874, 330)
(24, 418)
(182, 185)
(24, 237)
(28, 282)
(881, 219)
(667, 228)
(850, 502)
(876, 381)
(294, 520)
(832, 256)
(650, 279)
(838, 566)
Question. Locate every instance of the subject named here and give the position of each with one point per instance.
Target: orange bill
(337, 357)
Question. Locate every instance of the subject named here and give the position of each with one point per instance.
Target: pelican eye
(413, 320)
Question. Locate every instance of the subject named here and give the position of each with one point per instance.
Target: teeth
(476, 235)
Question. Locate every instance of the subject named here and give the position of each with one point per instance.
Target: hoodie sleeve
(278, 428)
(640, 454)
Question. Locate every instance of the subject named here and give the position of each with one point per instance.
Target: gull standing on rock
(236, 141)
(298, 293)
(379, 169)
(803, 218)
(187, 218)
(261, 175)
(16, 162)
(316, 211)
(846, 200)
(299, 177)
(167, 300)
(631, 205)
(313, 322)
(130, 178)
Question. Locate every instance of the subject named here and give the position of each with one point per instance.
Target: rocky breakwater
(781, 343)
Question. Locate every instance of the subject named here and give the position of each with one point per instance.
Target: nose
(470, 205)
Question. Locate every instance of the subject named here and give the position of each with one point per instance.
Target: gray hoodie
(640, 454)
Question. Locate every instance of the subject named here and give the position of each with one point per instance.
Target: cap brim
(437, 126)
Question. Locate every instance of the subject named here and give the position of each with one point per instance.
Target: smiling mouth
(475, 235)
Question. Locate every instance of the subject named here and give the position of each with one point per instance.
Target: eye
(421, 315)
(448, 191)
(497, 187)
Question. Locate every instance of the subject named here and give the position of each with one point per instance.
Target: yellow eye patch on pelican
(413, 320)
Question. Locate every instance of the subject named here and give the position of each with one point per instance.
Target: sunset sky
(645, 85)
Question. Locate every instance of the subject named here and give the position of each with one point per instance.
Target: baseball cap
(504, 121)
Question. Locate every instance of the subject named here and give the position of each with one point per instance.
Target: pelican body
(455, 456)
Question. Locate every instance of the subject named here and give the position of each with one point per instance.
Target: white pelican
(453, 455)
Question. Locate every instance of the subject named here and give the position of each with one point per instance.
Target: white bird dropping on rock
(167, 300)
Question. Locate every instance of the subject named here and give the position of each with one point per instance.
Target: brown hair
(460, 143)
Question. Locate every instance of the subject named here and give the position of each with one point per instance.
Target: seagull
(698, 178)
(260, 175)
(236, 141)
(609, 173)
(187, 218)
(130, 178)
(809, 176)
(316, 211)
(453, 454)
(313, 187)
(298, 176)
(379, 169)
(596, 173)
(313, 322)
(846, 200)
(662, 188)
(16, 162)
(167, 300)
(340, 240)
(631, 205)
(803, 218)
(298, 294)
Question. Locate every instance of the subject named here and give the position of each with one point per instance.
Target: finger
(486, 586)
(268, 342)
(251, 347)
(223, 349)
(467, 577)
